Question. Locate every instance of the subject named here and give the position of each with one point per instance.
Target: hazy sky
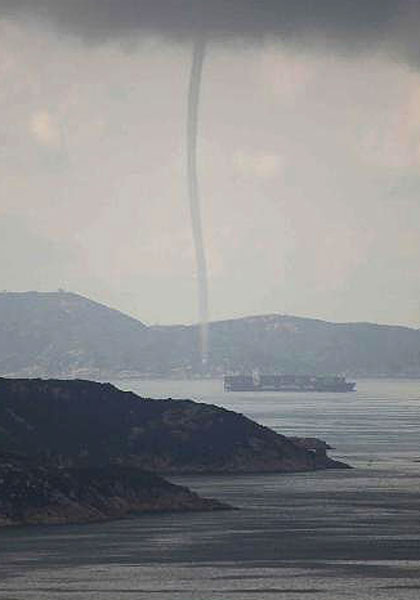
(309, 156)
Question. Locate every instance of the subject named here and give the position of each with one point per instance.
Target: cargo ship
(287, 383)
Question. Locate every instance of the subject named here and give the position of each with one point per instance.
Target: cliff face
(80, 423)
(35, 493)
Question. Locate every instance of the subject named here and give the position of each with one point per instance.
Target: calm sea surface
(336, 534)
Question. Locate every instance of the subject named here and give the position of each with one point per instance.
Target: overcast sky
(309, 159)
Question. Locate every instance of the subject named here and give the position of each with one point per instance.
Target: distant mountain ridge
(61, 334)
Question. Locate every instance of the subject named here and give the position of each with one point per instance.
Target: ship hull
(287, 383)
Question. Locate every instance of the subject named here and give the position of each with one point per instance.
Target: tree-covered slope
(81, 423)
(280, 343)
(65, 335)
(60, 333)
(287, 344)
(33, 492)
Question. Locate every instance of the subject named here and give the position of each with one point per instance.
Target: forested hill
(61, 333)
(64, 335)
(84, 424)
(33, 492)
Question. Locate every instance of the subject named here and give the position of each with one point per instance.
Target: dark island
(81, 423)
(32, 492)
(76, 451)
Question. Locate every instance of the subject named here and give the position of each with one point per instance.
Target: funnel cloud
(193, 191)
(309, 155)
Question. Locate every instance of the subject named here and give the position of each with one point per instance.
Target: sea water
(332, 534)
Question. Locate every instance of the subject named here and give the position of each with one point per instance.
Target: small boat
(287, 383)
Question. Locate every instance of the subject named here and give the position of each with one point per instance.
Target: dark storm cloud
(358, 21)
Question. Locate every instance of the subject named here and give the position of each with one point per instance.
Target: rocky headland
(79, 451)
(32, 493)
(86, 424)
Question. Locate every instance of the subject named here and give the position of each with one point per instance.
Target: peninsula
(34, 492)
(79, 451)
(77, 423)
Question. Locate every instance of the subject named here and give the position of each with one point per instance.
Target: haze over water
(335, 534)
